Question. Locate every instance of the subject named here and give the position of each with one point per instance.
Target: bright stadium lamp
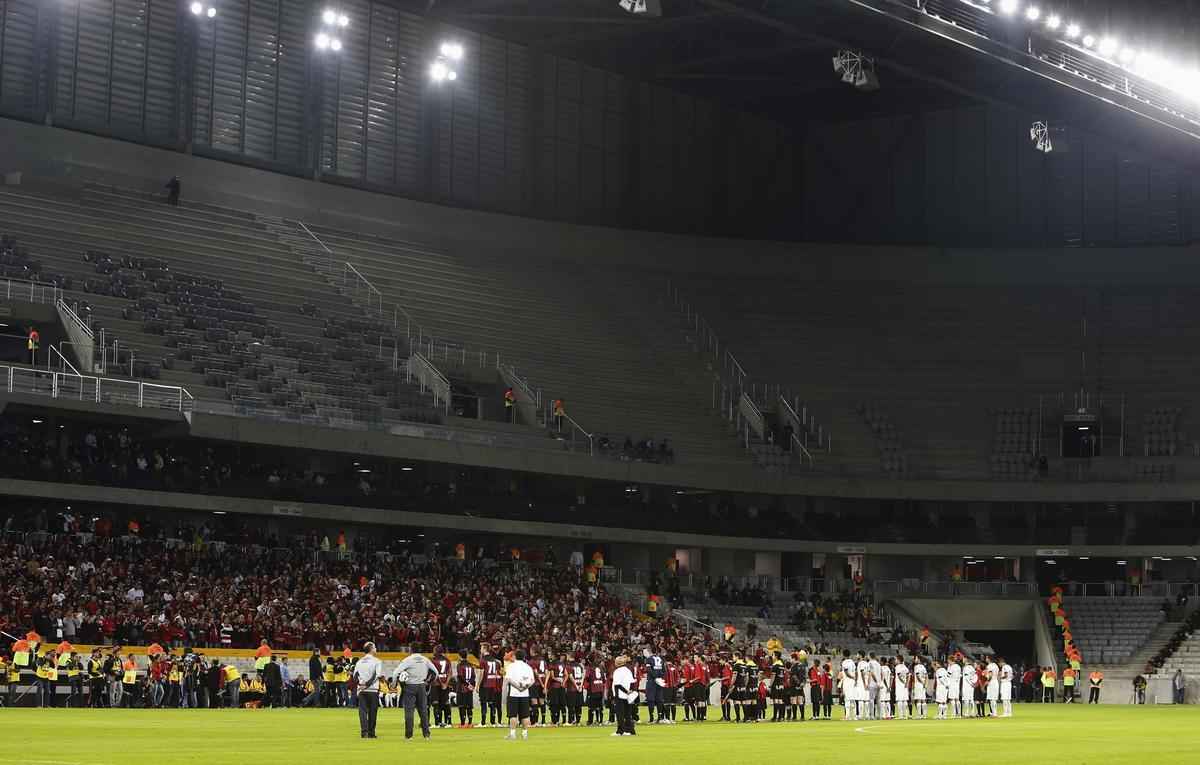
(197, 9)
(1033, 13)
(1072, 30)
(212, 12)
(439, 71)
(1009, 6)
(343, 20)
(1088, 41)
(335, 45)
(322, 41)
(1108, 46)
(1053, 20)
(329, 17)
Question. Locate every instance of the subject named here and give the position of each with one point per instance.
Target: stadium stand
(1112, 631)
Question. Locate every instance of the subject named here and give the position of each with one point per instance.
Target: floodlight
(1033, 13)
(1072, 30)
(329, 17)
(212, 12)
(1088, 41)
(197, 9)
(439, 71)
(322, 41)
(335, 45)
(1009, 6)
(343, 20)
(1052, 21)
(1109, 45)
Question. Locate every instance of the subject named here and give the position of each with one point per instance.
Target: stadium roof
(774, 58)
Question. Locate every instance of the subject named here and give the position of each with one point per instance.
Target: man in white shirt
(920, 689)
(885, 690)
(1006, 687)
(954, 692)
(864, 681)
(518, 679)
(993, 686)
(366, 674)
(849, 679)
(941, 694)
(901, 673)
(968, 689)
(624, 693)
(872, 685)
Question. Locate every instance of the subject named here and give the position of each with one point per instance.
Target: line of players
(742, 685)
(874, 689)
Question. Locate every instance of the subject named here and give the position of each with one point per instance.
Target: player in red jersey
(700, 691)
(596, 683)
(467, 678)
(556, 692)
(492, 669)
(537, 694)
(726, 688)
(440, 696)
(576, 676)
(671, 691)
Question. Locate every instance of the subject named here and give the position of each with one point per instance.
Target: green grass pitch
(1036, 734)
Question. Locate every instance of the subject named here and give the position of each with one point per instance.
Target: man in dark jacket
(273, 680)
(216, 681)
(315, 672)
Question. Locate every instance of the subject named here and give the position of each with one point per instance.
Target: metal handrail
(315, 238)
(35, 290)
(9, 374)
(62, 358)
(430, 379)
(74, 317)
(374, 297)
(575, 426)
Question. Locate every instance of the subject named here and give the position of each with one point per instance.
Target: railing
(573, 433)
(983, 589)
(430, 379)
(100, 390)
(802, 422)
(360, 290)
(732, 382)
(83, 341)
(315, 238)
(750, 419)
(31, 292)
(1156, 590)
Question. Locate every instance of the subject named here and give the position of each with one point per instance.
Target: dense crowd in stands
(94, 587)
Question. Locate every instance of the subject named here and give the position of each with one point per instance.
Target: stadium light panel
(322, 41)
(343, 20)
(1009, 6)
(438, 72)
(329, 17)
(212, 12)
(1072, 30)
(197, 9)
(1108, 46)
(1053, 21)
(335, 45)
(1088, 41)
(1033, 13)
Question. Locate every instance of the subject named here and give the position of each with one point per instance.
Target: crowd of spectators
(116, 586)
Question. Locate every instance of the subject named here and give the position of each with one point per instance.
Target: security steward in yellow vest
(96, 683)
(1095, 680)
(1068, 685)
(73, 666)
(1049, 679)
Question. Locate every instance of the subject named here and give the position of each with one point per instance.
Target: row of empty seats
(1111, 630)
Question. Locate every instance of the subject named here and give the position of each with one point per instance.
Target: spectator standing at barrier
(1049, 679)
(413, 672)
(366, 677)
(560, 411)
(510, 409)
(1139, 689)
(174, 187)
(1179, 686)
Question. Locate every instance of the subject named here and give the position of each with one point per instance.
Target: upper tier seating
(206, 299)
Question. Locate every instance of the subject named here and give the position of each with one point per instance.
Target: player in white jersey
(1006, 687)
(941, 693)
(920, 692)
(864, 683)
(954, 692)
(874, 680)
(849, 682)
(993, 686)
(969, 679)
(885, 690)
(901, 673)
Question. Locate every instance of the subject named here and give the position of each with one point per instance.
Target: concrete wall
(972, 614)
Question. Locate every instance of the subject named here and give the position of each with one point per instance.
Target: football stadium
(606, 380)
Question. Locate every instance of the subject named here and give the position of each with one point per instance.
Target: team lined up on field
(874, 689)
